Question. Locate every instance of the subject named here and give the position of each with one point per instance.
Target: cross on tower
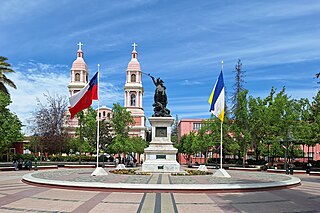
(80, 45)
(134, 46)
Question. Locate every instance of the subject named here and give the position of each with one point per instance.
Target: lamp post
(216, 152)
(286, 143)
(268, 152)
(35, 151)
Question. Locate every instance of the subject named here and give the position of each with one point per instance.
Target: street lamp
(286, 142)
(35, 151)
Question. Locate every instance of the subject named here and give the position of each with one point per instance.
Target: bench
(46, 167)
(314, 173)
(284, 171)
(255, 169)
(7, 168)
(79, 166)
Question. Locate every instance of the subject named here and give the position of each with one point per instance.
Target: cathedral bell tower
(133, 91)
(78, 79)
(78, 73)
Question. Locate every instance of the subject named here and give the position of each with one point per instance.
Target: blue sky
(182, 42)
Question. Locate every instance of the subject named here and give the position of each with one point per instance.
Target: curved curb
(161, 187)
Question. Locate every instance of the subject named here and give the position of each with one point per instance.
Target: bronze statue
(160, 99)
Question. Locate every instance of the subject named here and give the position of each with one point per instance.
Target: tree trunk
(303, 152)
(244, 154)
(205, 157)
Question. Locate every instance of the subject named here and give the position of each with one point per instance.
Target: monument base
(99, 171)
(160, 166)
(221, 173)
(160, 156)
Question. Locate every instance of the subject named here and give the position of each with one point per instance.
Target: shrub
(71, 158)
(197, 172)
(256, 162)
(24, 157)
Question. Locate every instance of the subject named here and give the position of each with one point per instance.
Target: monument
(160, 156)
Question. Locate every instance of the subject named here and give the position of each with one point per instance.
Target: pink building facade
(313, 153)
(105, 113)
(186, 126)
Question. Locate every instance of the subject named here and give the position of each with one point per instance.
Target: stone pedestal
(160, 156)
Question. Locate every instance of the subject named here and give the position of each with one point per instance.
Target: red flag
(83, 99)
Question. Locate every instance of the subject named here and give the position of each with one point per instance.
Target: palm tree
(5, 68)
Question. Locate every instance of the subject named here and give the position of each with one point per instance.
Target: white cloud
(190, 83)
(110, 94)
(33, 80)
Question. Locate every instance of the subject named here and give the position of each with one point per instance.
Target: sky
(183, 42)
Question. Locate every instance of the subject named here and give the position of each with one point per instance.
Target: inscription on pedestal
(161, 131)
(161, 157)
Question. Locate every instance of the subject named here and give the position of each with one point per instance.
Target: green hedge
(24, 157)
(71, 158)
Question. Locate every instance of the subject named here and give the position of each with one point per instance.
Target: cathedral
(133, 92)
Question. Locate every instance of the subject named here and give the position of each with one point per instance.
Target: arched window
(104, 113)
(133, 100)
(108, 115)
(77, 77)
(133, 78)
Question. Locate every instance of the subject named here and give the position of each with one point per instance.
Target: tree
(303, 129)
(315, 116)
(87, 129)
(120, 123)
(86, 133)
(174, 131)
(138, 144)
(10, 125)
(258, 125)
(240, 126)
(318, 76)
(315, 119)
(5, 67)
(185, 146)
(240, 110)
(48, 124)
(238, 85)
(208, 136)
(105, 134)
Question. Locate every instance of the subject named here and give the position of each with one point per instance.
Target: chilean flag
(83, 99)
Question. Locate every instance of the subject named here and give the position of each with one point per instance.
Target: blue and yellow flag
(216, 99)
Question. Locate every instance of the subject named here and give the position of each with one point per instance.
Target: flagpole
(221, 145)
(221, 130)
(98, 132)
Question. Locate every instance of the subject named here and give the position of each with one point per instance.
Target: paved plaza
(160, 182)
(16, 196)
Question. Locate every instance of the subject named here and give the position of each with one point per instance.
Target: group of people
(18, 164)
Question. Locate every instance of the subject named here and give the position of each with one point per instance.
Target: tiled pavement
(16, 196)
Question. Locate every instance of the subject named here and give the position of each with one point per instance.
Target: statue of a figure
(160, 99)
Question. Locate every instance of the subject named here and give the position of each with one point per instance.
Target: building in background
(79, 76)
(185, 126)
(133, 95)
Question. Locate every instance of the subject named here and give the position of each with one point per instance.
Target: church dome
(134, 63)
(79, 63)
